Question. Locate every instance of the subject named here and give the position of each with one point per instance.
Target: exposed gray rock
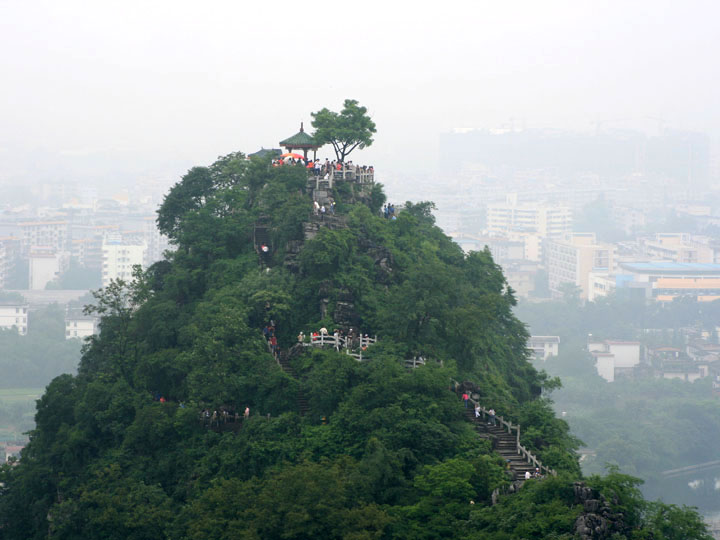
(597, 521)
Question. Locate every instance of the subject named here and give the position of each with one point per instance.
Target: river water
(701, 490)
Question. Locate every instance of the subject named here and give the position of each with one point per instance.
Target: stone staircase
(517, 458)
(284, 363)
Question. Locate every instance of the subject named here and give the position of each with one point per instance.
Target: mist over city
(459, 261)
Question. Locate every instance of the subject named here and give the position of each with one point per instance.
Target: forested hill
(131, 447)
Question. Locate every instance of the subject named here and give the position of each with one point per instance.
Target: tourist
(466, 399)
(301, 337)
(322, 213)
(247, 413)
(316, 207)
(492, 421)
(477, 410)
(527, 475)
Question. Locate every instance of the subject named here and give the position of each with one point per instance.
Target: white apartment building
(502, 248)
(44, 233)
(615, 358)
(600, 284)
(8, 248)
(119, 257)
(14, 315)
(677, 247)
(532, 244)
(81, 326)
(543, 347)
(548, 221)
(573, 258)
(45, 264)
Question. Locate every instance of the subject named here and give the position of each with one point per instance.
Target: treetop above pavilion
(301, 141)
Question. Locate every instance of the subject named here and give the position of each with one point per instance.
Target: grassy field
(17, 408)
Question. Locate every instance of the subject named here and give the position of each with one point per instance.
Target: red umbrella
(292, 155)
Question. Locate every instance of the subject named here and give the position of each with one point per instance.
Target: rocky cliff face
(597, 520)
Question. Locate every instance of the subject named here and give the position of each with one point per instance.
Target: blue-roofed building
(664, 280)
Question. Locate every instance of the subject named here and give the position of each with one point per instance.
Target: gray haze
(112, 89)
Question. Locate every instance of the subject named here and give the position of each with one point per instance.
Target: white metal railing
(521, 450)
(414, 362)
(354, 346)
(352, 174)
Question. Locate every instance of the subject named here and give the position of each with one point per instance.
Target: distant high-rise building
(548, 221)
(573, 258)
(44, 233)
(119, 257)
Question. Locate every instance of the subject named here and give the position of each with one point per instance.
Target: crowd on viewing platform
(330, 171)
(353, 343)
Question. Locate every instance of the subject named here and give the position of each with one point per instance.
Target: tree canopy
(347, 130)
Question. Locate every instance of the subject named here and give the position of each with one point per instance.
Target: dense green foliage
(383, 452)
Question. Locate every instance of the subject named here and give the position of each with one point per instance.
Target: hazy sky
(164, 82)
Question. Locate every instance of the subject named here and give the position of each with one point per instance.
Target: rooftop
(300, 140)
(671, 267)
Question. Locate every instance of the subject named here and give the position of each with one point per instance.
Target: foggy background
(604, 115)
(115, 92)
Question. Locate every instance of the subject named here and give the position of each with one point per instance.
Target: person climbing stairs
(505, 444)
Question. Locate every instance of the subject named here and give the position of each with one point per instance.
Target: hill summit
(295, 373)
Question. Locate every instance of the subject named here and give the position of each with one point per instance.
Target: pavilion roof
(266, 151)
(300, 140)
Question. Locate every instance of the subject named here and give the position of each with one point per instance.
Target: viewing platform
(348, 173)
(354, 346)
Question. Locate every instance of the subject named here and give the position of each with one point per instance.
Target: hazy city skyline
(97, 89)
